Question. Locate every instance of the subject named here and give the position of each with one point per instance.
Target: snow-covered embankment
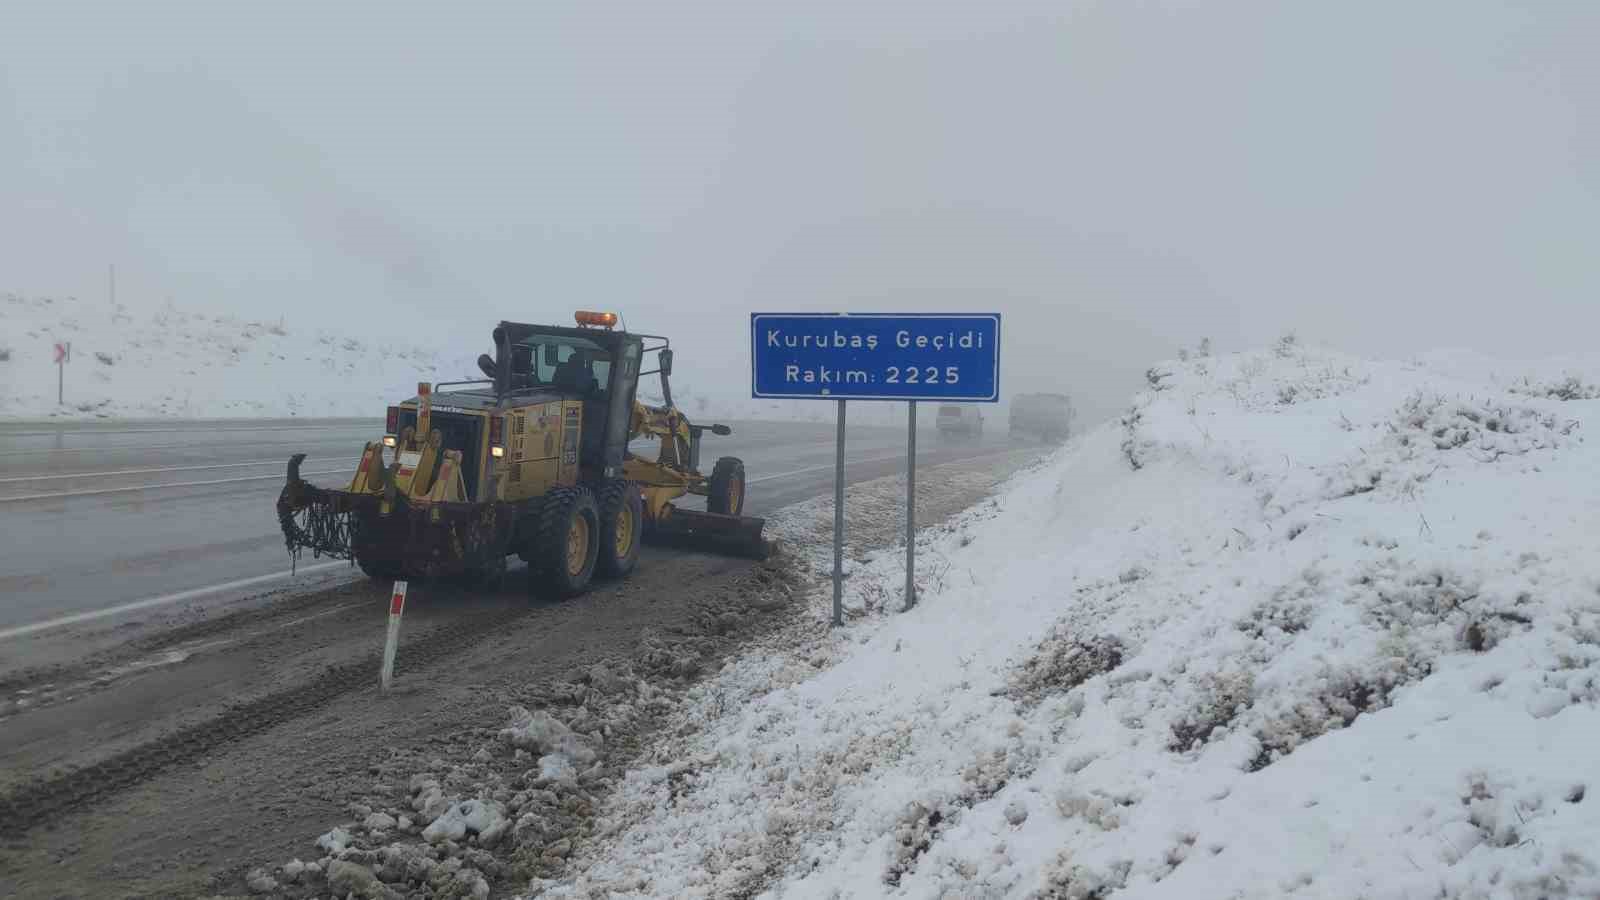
(1302, 625)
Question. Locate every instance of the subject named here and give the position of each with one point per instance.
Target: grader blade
(713, 532)
(314, 518)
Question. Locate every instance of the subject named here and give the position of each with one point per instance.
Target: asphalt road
(103, 520)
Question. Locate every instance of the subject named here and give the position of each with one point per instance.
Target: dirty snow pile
(1301, 625)
(458, 828)
(191, 363)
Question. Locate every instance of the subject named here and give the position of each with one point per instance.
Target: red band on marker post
(397, 604)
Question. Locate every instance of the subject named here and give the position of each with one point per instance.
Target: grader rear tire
(566, 541)
(725, 490)
(621, 526)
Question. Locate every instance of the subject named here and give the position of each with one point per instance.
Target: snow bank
(1301, 625)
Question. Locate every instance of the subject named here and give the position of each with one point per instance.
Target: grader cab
(534, 460)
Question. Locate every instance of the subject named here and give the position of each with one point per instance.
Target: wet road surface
(103, 520)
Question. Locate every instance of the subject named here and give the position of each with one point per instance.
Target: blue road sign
(875, 356)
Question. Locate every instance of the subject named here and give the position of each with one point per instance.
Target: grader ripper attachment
(534, 460)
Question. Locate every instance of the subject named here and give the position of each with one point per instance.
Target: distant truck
(1048, 417)
(960, 420)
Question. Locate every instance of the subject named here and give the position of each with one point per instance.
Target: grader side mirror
(666, 361)
(486, 364)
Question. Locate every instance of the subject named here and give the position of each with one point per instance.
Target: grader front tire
(725, 491)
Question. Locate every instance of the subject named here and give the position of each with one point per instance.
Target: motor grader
(533, 460)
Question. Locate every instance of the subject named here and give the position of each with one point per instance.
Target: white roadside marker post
(397, 605)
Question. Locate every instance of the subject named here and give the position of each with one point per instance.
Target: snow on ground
(196, 364)
(1561, 377)
(1302, 625)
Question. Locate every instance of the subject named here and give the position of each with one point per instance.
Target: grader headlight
(497, 433)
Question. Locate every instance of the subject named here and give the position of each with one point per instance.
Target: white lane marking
(238, 465)
(75, 618)
(152, 487)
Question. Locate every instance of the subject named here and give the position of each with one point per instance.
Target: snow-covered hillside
(187, 363)
(197, 364)
(1303, 625)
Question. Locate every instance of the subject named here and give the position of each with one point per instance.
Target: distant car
(957, 419)
(1048, 417)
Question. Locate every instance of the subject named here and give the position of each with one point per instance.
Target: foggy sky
(1117, 179)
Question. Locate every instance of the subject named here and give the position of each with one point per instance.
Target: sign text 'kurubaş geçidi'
(876, 356)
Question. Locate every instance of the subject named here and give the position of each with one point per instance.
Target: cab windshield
(561, 362)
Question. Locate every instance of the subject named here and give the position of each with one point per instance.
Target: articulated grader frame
(534, 460)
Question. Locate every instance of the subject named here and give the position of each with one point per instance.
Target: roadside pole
(838, 526)
(397, 605)
(63, 352)
(911, 506)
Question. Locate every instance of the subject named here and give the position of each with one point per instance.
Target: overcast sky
(1117, 178)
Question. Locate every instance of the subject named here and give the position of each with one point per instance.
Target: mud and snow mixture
(1301, 625)
(482, 811)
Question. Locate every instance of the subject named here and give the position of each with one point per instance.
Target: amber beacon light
(596, 319)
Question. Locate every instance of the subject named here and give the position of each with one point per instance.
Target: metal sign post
(397, 606)
(911, 506)
(63, 353)
(875, 356)
(838, 525)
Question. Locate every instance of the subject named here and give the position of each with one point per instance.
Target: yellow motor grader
(534, 460)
